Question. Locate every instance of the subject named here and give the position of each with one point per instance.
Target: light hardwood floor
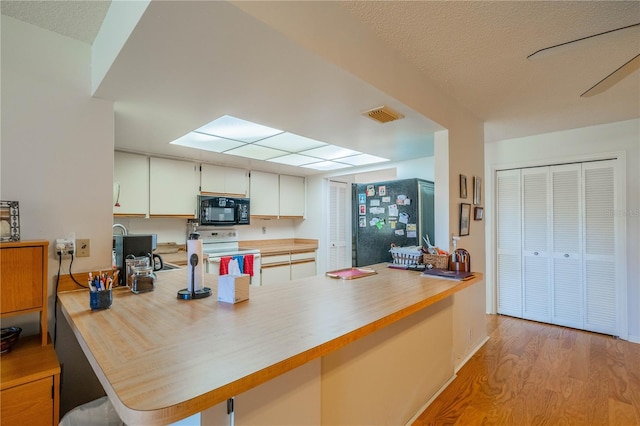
(530, 373)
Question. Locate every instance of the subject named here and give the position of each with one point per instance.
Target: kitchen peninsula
(161, 359)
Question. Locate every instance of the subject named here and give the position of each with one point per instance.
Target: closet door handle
(566, 255)
(535, 253)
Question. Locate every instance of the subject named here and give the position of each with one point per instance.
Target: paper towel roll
(194, 247)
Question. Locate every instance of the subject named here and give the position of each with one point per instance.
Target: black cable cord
(71, 274)
(55, 303)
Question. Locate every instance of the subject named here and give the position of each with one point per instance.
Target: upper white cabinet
(130, 184)
(292, 196)
(265, 194)
(173, 187)
(275, 195)
(224, 180)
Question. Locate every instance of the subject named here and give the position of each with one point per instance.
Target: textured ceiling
(475, 51)
(79, 20)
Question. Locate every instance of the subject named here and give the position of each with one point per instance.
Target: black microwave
(223, 211)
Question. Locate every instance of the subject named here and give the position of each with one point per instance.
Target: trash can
(99, 412)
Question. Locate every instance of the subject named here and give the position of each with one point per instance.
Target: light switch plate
(83, 247)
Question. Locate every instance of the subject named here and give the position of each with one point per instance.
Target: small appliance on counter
(132, 246)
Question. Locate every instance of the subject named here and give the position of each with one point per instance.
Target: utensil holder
(100, 299)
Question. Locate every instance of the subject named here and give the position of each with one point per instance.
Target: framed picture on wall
(465, 218)
(10, 221)
(477, 190)
(463, 186)
(478, 213)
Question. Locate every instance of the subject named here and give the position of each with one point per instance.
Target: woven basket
(406, 255)
(438, 261)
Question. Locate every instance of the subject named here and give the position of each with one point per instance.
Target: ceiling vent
(383, 114)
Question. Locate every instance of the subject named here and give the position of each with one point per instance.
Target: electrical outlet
(67, 245)
(83, 247)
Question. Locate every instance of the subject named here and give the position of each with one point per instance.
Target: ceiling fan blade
(543, 52)
(615, 77)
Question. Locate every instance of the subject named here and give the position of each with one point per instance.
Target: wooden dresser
(30, 373)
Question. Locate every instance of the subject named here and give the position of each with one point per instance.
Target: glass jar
(144, 279)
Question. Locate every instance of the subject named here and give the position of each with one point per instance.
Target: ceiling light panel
(235, 128)
(256, 152)
(294, 160)
(206, 142)
(290, 142)
(327, 165)
(329, 152)
(362, 159)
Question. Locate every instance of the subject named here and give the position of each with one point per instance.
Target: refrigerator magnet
(371, 190)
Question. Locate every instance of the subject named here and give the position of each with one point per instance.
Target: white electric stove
(218, 243)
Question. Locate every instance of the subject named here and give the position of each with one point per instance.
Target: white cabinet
(223, 180)
(557, 240)
(130, 184)
(277, 196)
(287, 267)
(303, 265)
(275, 269)
(265, 194)
(173, 187)
(292, 196)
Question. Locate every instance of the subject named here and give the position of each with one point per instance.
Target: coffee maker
(131, 245)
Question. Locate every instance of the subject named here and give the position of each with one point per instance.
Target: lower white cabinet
(287, 267)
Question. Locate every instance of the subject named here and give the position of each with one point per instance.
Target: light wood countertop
(282, 246)
(161, 359)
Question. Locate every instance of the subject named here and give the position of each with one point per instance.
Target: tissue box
(233, 288)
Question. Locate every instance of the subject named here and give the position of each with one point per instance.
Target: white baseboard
(426, 404)
(444, 386)
(634, 339)
(472, 353)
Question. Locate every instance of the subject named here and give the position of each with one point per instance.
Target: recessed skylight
(290, 142)
(326, 165)
(234, 136)
(256, 152)
(362, 159)
(294, 160)
(206, 142)
(237, 129)
(330, 152)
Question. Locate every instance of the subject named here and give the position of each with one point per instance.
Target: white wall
(57, 161)
(596, 142)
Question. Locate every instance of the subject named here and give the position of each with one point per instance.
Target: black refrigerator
(399, 212)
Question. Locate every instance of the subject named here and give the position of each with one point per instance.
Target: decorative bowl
(9, 338)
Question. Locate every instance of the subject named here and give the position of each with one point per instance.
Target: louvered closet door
(567, 302)
(535, 244)
(600, 247)
(509, 241)
(337, 251)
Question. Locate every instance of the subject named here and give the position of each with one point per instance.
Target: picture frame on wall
(9, 221)
(465, 218)
(463, 186)
(478, 213)
(477, 190)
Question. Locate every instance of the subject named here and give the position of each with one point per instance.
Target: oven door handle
(217, 259)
